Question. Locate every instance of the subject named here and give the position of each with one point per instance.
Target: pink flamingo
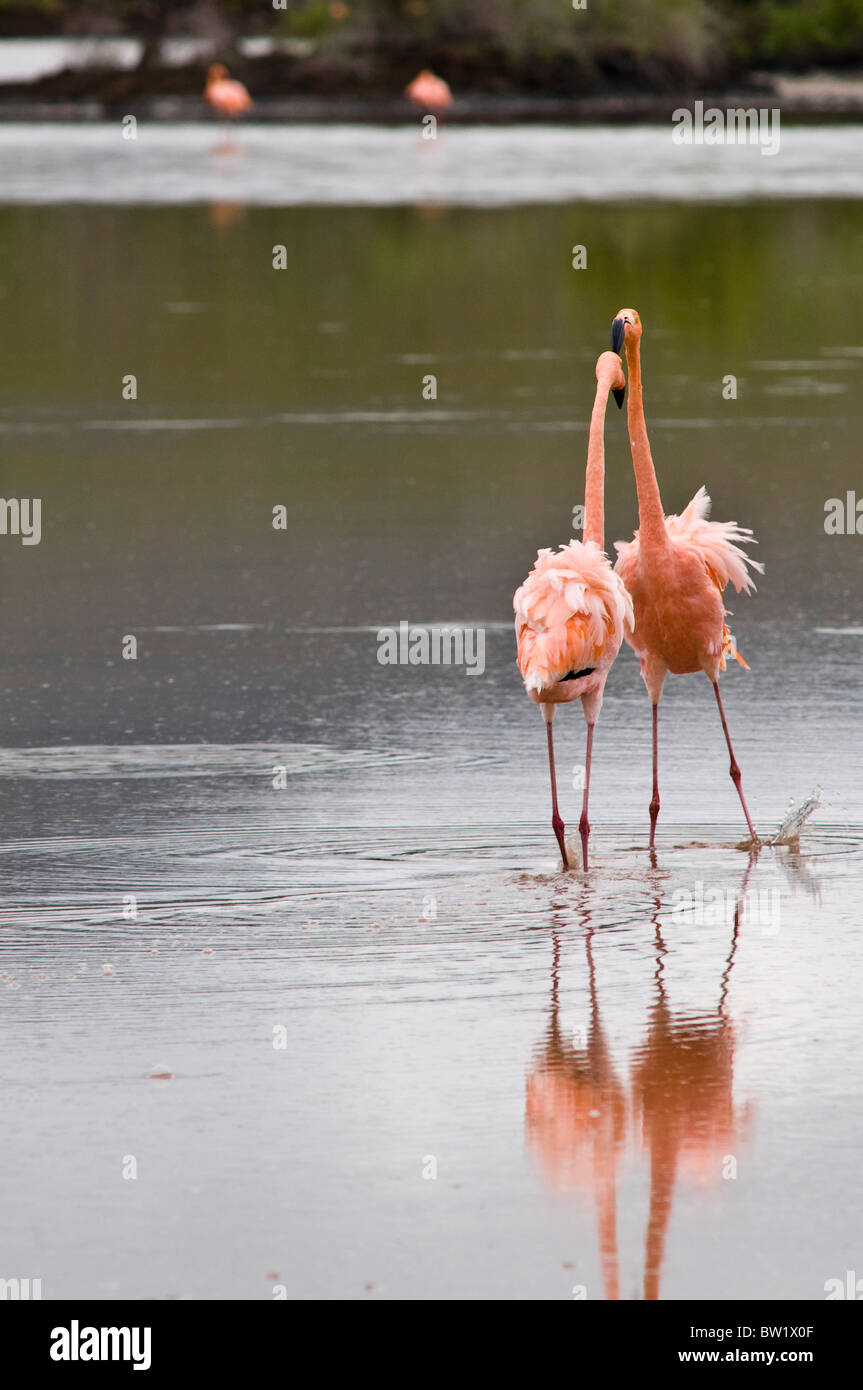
(571, 610)
(226, 96)
(429, 93)
(675, 569)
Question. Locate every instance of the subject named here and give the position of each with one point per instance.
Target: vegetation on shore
(554, 47)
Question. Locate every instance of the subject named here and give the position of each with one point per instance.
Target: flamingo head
(610, 373)
(626, 327)
(216, 73)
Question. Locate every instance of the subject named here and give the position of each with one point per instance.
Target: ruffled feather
(717, 544)
(570, 614)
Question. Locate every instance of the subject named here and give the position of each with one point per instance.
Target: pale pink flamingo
(429, 93)
(571, 610)
(226, 96)
(675, 569)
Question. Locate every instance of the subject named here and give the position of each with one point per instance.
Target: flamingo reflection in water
(682, 1095)
(575, 1116)
(578, 1114)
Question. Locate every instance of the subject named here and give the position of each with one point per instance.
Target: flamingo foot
(584, 832)
(654, 817)
(584, 823)
(737, 779)
(557, 824)
(654, 802)
(734, 770)
(559, 828)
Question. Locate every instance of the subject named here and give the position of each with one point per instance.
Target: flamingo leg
(584, 823)
(654, 801)
(556, 822)
(734, 769)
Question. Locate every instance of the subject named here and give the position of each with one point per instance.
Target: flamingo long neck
(651, 517)
(594, 479)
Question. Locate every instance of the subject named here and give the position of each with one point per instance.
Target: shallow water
(360, 165)
(588, 1063)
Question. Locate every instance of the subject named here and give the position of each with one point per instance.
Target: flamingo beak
(617, 336)
(619, 394)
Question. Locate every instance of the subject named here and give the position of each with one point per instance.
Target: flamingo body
(570, 616)
(226, 96)
(676, 569)
(429, 92)
(572, 610)
(679, 612)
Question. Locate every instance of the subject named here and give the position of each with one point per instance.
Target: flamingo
(675, 569)
(429, 92)
(571, 611)
(226, 96)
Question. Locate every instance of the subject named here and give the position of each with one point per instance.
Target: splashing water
(789, 830)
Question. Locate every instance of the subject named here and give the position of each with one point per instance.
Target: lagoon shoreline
(821, 99)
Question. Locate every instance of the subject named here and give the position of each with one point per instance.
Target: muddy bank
(804, 98)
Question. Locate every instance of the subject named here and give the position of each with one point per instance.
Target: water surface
(361, 165)
(255, 826)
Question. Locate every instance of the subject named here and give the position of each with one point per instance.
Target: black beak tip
(617, 335)
(619, 394)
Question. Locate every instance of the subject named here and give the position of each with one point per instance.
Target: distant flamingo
(571, 610)
(226, 96)
(675, 569)
(429, 93)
